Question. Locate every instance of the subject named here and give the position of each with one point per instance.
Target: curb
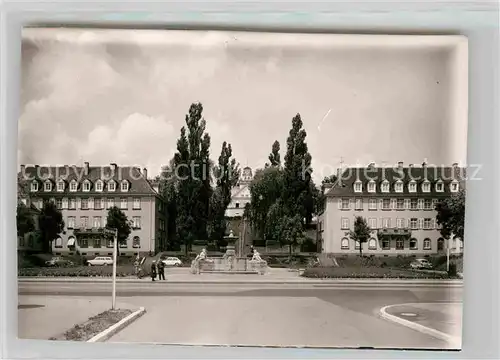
(455, 342)
(120, 325)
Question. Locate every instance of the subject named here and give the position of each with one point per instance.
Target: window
(427, 223)
(85, 204)
(427, 244)
(434, 203)
(386, 223)
(136, 222)
(86, 186)
(454, 186)
(34, 185)
(359, 204)
(439, 186)
(58, 243)
(59, 204)
(386, 204)
(137, 203)
(428, 204)
(398, 187)
(84, 221)
(414, 223)
(111, 186)
(345, 244)
(413, 244)
(420, 204)
(97, 243)
(47, 186)
(71, 222)
(372, 223)
(97, 222)
(136, 242)
(109, 242)
(400, 223)
(372, 205)
(97, 204)
(98, 185)
(72, 204)
(124, 185)
(371, 186)
(356, 245)
(412, 186)
(345, 204)
(60, 185)
(73, 185)
(440, 244)
(123, 204)
(385, 186)
(372, 244)
(21, 241)
(413, 204)
(84, 243)
(344, 224)
(358, 187)
(386, 244)
(400, 204)
(426, 186)
(400, 244)
(111, 203)
(104, 221)
(237, 205)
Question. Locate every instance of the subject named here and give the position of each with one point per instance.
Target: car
(420, 264)
(100, 261)
(58, 261)
(172, 261)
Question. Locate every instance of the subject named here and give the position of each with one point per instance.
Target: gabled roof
(345, 185)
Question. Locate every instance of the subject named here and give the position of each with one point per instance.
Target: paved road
(312, 315)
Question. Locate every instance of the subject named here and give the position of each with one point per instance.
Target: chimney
(400, 165)
(113, 167)
(339, 176)
(457, 173)
(23, 168)
(424, 164)
(145, 173)
(371, 165)
(410, 165)
(86, 165)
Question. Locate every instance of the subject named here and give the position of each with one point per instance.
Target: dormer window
(34, 186)
(412, 186)
(371, 186)
(47, 186)
(124, 186)
(86, 185)
(398, 187)
(60, 185)
(385, 186)
(111, 186)
(439, 186)
(426, 186)
(99, 185)
(454, 186)
(358, 187)
(73, 185)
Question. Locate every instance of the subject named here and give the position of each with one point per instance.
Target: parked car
(58, 261)
(100, 261)
(172, 261)
(420, 264)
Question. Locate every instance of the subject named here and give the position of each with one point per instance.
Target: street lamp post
(114, 233)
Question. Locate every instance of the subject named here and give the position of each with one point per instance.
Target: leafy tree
(321, 194)
(292, 231)
(361, 232)
(51, 225)
(274, 156)
(451, 215)
(117, 219)
(169, 191)
(24, 220)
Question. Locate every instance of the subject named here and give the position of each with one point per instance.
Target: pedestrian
(161, 270)
(153, 270)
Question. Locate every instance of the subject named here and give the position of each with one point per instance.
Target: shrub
(369, 273)
(452, 271)
(82, 271)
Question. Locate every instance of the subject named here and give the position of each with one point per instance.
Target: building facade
(85, 194)
(398, 204)
(240, 195)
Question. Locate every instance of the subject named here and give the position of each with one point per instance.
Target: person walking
(153, 270)
(161, 270)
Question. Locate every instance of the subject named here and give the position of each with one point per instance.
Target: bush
(368, 273)
(452, 271)
(81, 271)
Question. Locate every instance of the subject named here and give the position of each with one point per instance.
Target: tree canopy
(117, 219)
(451, 215)
(361, 232)
(24, 220)
(50, 224)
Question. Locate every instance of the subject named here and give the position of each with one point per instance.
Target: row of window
(97, 222)
(388, 204)
(85, 186)
(399, 186)
(90, 203)
(400, 244)
(95, 242)
(387, 223)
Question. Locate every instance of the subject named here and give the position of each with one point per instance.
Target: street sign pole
(115, 248)
(448, 255)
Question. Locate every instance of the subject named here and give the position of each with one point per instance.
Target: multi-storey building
(398, 204)
(240, 195)
(84, 195)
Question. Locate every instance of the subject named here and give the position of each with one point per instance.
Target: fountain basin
(236, 265)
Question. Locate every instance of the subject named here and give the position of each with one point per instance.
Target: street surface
(262, 314)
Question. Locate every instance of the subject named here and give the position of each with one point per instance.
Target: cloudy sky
(121, 96)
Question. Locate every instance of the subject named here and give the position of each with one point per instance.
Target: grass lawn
(369, 273)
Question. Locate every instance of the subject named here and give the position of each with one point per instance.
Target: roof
(433, 174)
(138, 184)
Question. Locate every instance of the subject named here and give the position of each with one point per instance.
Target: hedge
(82, 271)
(369, 273)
